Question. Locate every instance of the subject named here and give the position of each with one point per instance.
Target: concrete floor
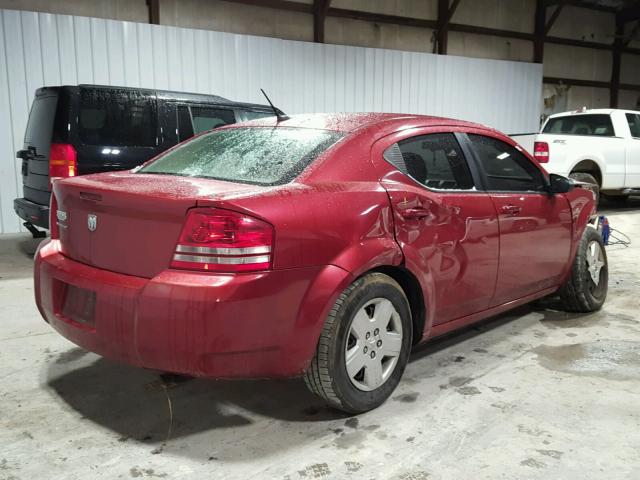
(533, 394)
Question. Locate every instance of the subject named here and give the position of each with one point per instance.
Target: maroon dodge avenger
(321, 246)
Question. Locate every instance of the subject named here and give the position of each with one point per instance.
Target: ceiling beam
(614, 90)
(381, 18)
(583, 4)
(154, 11)
(588, 83)
(554, 16)
(445, 12)
(632, 35)
(539, 31)
(320, 8)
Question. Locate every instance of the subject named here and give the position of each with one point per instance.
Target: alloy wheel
(374, 344)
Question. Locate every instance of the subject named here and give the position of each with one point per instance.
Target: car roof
(178, 96)
(350, 122)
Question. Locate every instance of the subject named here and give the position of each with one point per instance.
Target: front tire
(364, 345)
(586, 288)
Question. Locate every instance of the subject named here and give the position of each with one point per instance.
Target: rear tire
(364, 345)
(588, 178)
(586, 288)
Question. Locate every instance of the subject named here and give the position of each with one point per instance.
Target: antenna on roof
(280, 115)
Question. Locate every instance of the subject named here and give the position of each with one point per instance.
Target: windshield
(262, 156)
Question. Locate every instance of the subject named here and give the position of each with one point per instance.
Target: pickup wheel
(586, 288)
(588, 178)
(364, 345)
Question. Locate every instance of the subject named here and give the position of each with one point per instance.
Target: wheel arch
(590, 166)
(412, 289)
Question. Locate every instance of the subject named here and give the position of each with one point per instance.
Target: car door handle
(511, 209)
(415, 213)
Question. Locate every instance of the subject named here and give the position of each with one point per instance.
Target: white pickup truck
(600, 146)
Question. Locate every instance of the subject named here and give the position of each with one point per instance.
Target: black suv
(76, 130)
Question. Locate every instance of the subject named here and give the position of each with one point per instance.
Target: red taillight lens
(63, 161)
(541, 152)
(217, 240)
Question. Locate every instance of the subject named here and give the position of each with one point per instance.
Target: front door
(447, 229)
(535, 227)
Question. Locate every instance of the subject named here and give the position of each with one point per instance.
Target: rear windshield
(40, 122)
(581, 125)
(114, 117)
(261, 156)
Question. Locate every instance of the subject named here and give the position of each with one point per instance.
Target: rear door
(446, 227)
(535, 227)
(117, 128)
(37, 143)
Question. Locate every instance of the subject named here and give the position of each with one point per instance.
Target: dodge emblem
(92, 222)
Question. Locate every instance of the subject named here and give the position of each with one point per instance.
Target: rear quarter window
(117, 117)
(594, 124)
(260, 156)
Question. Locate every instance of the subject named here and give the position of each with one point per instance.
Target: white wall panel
(38, 49)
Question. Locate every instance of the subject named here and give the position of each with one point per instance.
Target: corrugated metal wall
(39, 49)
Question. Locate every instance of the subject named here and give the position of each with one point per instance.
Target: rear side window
(504, 167)
(434, 160)
(633, 119)
(185, 127)
(115, 117)
(206, 118)
(246, 115)
(594, 124)
(261, 156)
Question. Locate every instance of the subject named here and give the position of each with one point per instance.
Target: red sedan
(323, 246)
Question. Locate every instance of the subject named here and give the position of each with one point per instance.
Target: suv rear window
(260, 156)
(594, 124)
(123, 118)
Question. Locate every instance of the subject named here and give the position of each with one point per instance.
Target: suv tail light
(63, 161)
(216, 240)
(541, 152)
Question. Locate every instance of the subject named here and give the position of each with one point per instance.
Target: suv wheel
(588, 178)
(586, 288)
(364, 345)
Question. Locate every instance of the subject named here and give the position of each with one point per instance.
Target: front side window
(117, 117)
(589, 124)
(259, 155)
(434, 160)
(504, 167)
(633, 119)
(206, 118)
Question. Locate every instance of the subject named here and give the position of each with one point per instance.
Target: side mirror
(559, 184)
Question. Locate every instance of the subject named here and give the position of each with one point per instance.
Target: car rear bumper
(32, 212)
(253, 325)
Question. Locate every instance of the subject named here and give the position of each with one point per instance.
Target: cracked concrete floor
(536, 394)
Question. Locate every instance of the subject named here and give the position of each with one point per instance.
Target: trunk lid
(129, 222)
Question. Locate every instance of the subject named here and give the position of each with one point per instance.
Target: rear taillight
(541, 152)
(63, 161)
(216, 240)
